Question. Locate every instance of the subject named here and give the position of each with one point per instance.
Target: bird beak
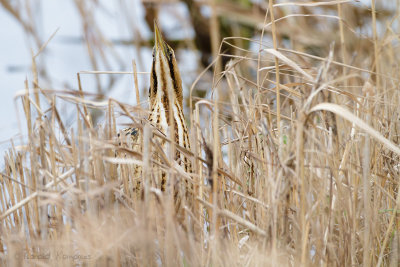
(159, 43)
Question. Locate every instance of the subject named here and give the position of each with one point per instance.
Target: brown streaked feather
(165, 76)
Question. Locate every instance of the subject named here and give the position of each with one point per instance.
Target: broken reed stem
(215, 37)
(376, 48)
(265, 207)
(136, 82)
(342, 41)
(277, 76)
(367, 192)
(301, 185)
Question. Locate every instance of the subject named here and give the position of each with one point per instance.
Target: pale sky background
(64, 60)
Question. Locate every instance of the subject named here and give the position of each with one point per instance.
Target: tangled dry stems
(313, 183)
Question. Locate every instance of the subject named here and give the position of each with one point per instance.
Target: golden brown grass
(300, 142)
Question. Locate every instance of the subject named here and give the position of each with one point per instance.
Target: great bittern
(165, 82)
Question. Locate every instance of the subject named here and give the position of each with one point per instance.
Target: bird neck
(165, 81)
(165, 77)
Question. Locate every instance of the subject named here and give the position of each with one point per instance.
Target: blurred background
(100, 35)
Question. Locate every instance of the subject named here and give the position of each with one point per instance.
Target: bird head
(164, 72)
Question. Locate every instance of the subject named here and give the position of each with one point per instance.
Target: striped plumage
(164, 76)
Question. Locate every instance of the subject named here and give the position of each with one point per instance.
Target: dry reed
(295, 159)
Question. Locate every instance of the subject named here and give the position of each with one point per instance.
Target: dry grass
(299, 142)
